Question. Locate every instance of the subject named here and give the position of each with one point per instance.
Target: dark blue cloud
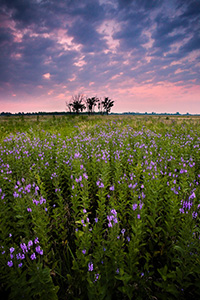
(24, 12)
(84, 33)
(191, 45)
(141, 4)
(90, 11)
(192, 10)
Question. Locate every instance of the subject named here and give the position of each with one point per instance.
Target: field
(99, 207)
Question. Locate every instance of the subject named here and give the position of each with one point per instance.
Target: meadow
(99, 207)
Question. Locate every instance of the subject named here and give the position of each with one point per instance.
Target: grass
(99, 207)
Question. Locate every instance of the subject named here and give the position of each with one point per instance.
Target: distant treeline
(7, 114)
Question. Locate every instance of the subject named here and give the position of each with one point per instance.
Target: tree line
(79, 103)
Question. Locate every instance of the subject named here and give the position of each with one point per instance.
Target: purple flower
(192, 196)
(36, 241)
(42, 200)
(39, 250)
(84, 211)
(29, 209)
(140, 205)
(10, 263)
(113, 211)
(12, 250)
(138, 216)
(134, 206)
(20, 265)
(15, 195)
(83, 251)
(90, 266)
(33, 256)
(109, 218)
(194, 215)
(96, 277)
(123, 231)
(35, 201)
(77, 155)
(85, 176)
(96, 220)
(23, 247)
(111, 188)
(21, 256)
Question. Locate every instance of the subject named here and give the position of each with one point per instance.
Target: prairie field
(99, 207)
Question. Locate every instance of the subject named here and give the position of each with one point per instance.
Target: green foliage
(101, 208)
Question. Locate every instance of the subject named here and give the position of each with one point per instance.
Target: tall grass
(99, 208)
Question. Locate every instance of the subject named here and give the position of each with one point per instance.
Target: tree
(91, 103)
(76, 103)
(107, 104)
(69, 106)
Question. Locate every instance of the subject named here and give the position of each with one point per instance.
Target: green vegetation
(99, 207)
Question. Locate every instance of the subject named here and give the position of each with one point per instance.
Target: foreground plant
(108, 213)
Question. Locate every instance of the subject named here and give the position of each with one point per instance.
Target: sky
(143, 54)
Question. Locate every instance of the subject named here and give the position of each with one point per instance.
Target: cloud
(54, 48)
(47, 75)
(192, 10)
(83, 33)
(192, 45)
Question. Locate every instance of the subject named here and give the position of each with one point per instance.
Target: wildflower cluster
(31, 250)
(136, 206)
(142, 170)
(21, 189)
(112, 218)
(187, 205)
(100, 184)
